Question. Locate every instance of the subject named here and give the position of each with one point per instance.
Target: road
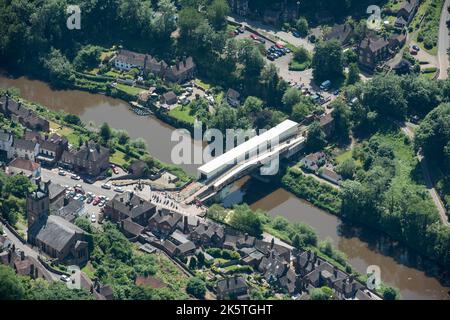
(26, 249)
(407, 129)
(444, 42)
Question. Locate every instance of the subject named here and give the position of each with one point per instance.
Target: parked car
(106, 186)
(253, 36)
(96, 201)
(93, 218)
(64, 278)
(89, 199)
(115, 170)
(62, 173)
(75, 177)
(296, 34)
(325, 85)
(119, 190)
(415, 47)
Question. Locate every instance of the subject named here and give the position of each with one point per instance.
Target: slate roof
(55, 190)
(5, 135)
(24, 144)
(231, 284)
(130, 204)
(54, 231)
(132, 227)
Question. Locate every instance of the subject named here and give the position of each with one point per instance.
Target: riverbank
(396, 263)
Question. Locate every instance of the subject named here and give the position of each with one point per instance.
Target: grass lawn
(89, 270)
(113, 73)
(202, 84)
(297, 66)
(182, 113)
(344, 156)
(129, 89)
(118, 158)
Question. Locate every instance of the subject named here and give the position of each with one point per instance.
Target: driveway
(444, 42)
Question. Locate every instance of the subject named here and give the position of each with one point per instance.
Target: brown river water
(399, 267)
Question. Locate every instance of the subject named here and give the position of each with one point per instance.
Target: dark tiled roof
(231, 284)
(130, 204)
(54, 231)
(132, 227)
(24, 144)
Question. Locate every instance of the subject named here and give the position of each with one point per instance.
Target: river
(363, 248)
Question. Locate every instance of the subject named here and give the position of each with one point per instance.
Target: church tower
(38, 203)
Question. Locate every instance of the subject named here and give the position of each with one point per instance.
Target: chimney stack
(186, 225)
(246, 236)
(22, 255)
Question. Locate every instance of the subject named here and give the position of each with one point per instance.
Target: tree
(353, 74)
(302, 26)
(196, 287)
(188, 20)
(192, 263)
(347, 168)
(58, 68)
(291, 97)
(87, 58)
(72, 119)
(316, 137)
(84, 224)
(384, 95)
(244, 219)
(328, 62)
(433, 134)
(341, 114)
(18, 185)
(105, 132)
(11, 286)
(217, 13)
(302, 55)
(390, 294)
(301, 110)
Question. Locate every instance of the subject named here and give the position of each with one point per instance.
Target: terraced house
(91, 159)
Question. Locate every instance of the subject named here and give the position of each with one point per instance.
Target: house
(164, 222)
(343, 33)
(327, 123)
(188, 224)
(25, 149)
(267, 247)
(324, 274)
(233, 97)
(372, 51)
(397, 41)
(24, 265)
(208, 234)
(72, 210)
(130, 228)
(57, 194)
(126, 60)
(330, 175)
(251, 256)
(234, 288)
(51, 148)
(239, 7)
(130, 206)
(153, 66)
(406, 13)
(179, 245)
(27, 117)
(52, 234)
(91, 159)
(313, 161)
(169, 98)
(26, 167)
(6, 142)
(182, 71)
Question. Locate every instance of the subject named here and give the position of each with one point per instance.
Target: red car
(96, 201)
(115, 170)
(254, 37)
